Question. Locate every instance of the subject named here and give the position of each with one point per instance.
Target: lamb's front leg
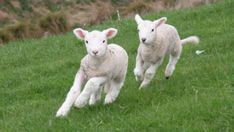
(138, 70)
(149, 73)
(72, 94)
(92, 86)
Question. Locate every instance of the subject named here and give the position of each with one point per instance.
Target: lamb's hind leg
(95, 97)
(113, 91)
(171, 64)
(91, 87)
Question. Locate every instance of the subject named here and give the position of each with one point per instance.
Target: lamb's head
(147, 29)
(95, 41)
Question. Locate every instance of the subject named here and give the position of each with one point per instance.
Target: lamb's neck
(148, 47)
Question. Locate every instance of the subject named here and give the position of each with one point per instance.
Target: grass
(37, 74)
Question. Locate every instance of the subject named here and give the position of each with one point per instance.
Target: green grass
(35, 76)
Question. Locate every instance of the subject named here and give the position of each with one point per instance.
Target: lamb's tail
(190, 40)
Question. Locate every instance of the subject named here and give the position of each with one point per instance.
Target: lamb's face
(147, 32)
(95, 41)
(147, 29)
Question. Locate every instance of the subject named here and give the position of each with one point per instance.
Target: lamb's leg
(171, 65)
(91, 87)
(107, 86)
(113, 91)
(72, 94)
(138, 70)
(95, 97)
(149, 73)
(114, 86)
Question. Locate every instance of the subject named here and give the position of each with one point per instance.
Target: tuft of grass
(54, 22)
(19, 30)
(137, 6)
(95, 13)
(37, 74)
(5, 36)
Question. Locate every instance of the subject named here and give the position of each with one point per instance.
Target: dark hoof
(167, 78)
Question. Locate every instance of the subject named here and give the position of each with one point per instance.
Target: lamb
(104, 66)
(156, 40)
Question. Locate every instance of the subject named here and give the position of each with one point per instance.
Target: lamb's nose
(95, 52)
(143, 40)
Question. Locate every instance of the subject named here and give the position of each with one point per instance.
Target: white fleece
(156, 40)
(113, 65)
(104, 66)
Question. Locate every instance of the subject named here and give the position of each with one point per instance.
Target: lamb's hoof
(80, 102)
(109, 100)
(138, 78)
(92, 102)
(167, 78)
(143, 86)
(62, 112)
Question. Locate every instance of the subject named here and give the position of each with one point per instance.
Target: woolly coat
(167, 41)
(113, 65)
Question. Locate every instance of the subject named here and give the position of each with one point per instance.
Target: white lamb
(103, 66)
(156, 40)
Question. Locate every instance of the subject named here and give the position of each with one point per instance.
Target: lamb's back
(168, 34)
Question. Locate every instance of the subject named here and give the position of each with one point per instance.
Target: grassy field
(35, 76)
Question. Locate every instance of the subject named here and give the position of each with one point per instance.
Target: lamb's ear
(160, 21)
(80, 33)
(110, 32)
(138, 19)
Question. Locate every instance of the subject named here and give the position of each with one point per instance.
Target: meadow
(36, 74)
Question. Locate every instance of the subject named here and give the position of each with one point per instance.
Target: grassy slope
(36, 75)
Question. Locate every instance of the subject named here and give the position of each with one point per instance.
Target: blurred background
(21, 19)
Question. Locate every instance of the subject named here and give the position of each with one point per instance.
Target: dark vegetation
(21, 19)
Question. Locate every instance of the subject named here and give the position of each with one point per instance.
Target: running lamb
(104, 66)
(156, 40)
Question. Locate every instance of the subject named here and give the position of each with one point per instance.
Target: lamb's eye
(103, 41)
(86, 41)
(152, 30)
(138, 30)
